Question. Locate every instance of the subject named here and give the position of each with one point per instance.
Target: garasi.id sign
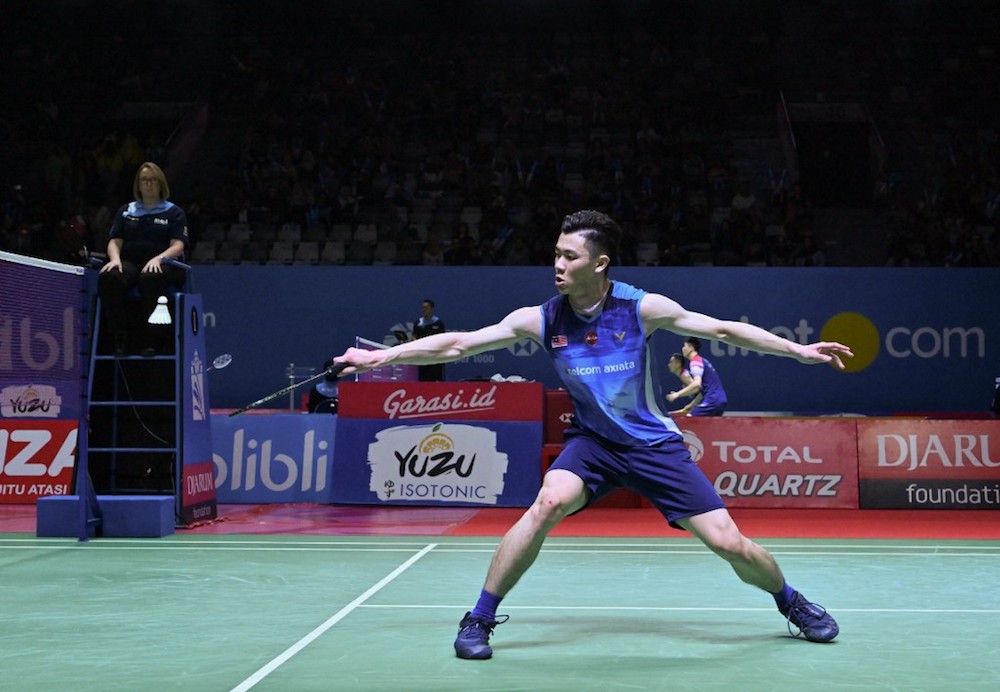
(411, 401)
(929, 464)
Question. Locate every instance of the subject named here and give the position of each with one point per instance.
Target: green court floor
(380, 613)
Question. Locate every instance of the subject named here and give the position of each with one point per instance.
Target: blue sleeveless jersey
(604, 362)
(711, 385)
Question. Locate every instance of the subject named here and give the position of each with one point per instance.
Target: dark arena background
(827, 170)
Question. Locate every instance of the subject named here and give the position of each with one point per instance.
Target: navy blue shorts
(664, 474)
(704, 409)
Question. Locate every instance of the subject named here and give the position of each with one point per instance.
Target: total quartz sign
(777, 462)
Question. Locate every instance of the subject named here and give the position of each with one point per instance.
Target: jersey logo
(590, 338)
(559, 341)
(620, 336)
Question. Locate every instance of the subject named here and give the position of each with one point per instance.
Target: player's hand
(672, 396)
(358, 360)
(825, 352)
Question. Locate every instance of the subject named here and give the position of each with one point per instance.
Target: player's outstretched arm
(660, 312)
(448, 346)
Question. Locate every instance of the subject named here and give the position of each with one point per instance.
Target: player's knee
(729, 545)
(550, 506)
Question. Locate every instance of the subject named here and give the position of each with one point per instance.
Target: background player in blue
(597, 333)
(704, 381)
(678, 366)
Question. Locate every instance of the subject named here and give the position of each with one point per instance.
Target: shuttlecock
(160, 314)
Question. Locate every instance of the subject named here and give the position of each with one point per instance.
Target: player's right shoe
(812, 621)
(473, 639)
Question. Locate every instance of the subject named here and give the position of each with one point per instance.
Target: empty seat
(203, 253)
(282, 252)
(366, 233)
(334, 252)
(255, 252)
(315, 232)
(306, 252)
(214, 232)
(265, 232)
(230, 252)
(385, 252)
(239, 232)
(290, 233)
(359, 252)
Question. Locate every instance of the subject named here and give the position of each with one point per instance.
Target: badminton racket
(332, 371)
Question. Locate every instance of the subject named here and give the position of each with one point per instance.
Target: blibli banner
(925, 339)
(280, 458)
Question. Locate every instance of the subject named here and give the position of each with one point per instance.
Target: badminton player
(597, 333)
(678, 366)
(703, 383)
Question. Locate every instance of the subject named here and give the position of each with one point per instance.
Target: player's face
(576, 270)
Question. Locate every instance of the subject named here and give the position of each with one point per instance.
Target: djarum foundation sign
(929, 464)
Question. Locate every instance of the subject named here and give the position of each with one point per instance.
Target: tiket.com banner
(929, 464)
(771, 462)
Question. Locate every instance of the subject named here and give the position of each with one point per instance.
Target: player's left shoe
(812, 621)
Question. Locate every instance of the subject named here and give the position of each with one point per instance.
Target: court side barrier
(413, 444)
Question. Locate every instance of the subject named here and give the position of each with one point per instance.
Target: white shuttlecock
(160, 314)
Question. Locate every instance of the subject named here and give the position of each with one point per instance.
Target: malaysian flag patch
(559, 341)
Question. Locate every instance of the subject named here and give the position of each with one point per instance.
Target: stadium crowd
(460, 133)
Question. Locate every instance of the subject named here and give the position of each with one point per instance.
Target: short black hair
(429, 302)
(601, 233)
(695, 343)
(680, 357)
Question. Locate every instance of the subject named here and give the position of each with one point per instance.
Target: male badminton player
(597, 333)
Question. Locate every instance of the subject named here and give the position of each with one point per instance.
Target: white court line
(692, 549)
(333, 620)
(600, 545)
(695, 609)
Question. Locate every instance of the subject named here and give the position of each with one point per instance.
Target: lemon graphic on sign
(858, 333)
(436, 442)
